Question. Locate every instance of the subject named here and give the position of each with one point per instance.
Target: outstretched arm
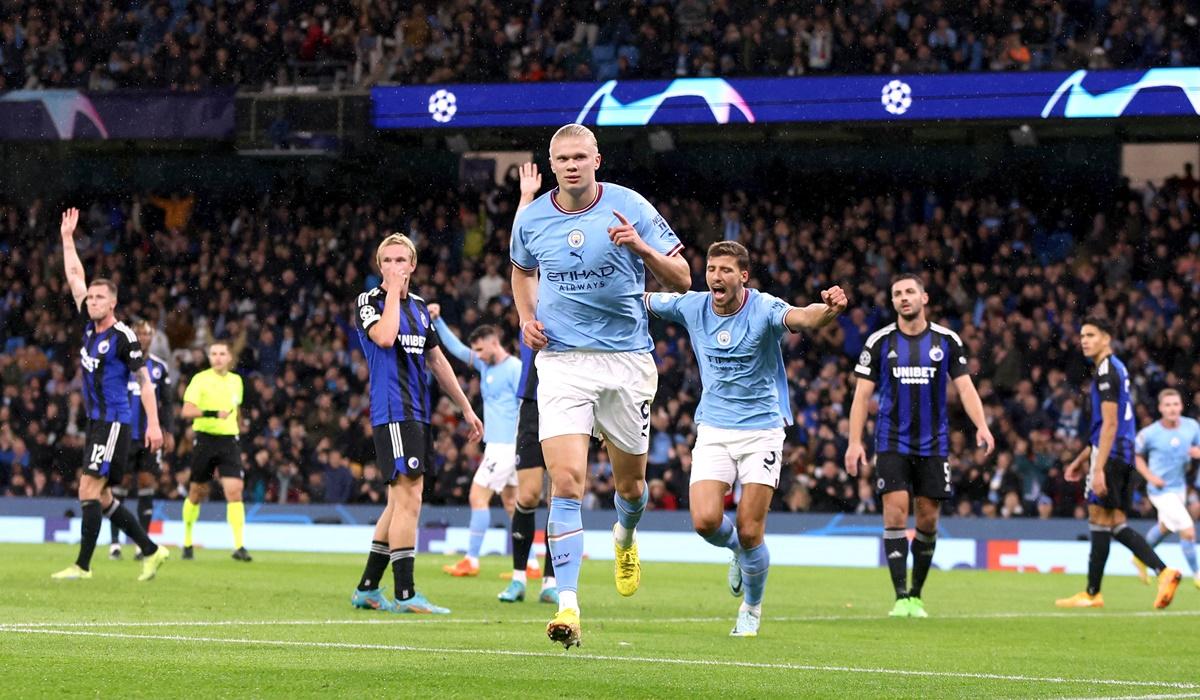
(450, 341)
(814, 316)
(76, 278)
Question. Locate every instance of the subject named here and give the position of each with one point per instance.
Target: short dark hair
(1101, 323)
(105, 282)
(482, 332)
(731, 249)
(909, 276)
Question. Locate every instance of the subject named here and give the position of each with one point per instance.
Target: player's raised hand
(856, 455)
(984, 439)
(70, 219)
(534, 334)
(435, 311)
(835, 298)
(531, 179)
(476, 425)
(154, 437)
(624, 234)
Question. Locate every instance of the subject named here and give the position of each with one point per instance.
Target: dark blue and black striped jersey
(160, 378)
(1112, 384)
(398, 375)
(912, 374)
(110, 361)
(528, 383)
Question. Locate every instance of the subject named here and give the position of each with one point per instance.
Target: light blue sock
(1154, 535)
(629, 513)
(564, 530)
(1189, 553)
(755, 562)
(479, 524)
(725, 536)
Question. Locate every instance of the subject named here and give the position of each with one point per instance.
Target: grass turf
(283, 626)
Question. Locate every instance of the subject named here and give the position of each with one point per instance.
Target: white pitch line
(605, 657)
(1080, 615)
(1142, 697)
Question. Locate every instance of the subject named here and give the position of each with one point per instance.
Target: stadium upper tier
(212, 43)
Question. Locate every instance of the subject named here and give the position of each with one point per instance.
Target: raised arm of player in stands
(974, 408)
(444, 374)
(856, 454)
(76, 278)
(833, 303)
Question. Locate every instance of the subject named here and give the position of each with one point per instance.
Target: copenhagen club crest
(575, 238)
(102, 347)
(723, 338)
(936, 354)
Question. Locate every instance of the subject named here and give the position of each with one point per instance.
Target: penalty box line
(605, 657)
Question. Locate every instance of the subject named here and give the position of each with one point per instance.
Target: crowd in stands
(181, 45)
(279, 278)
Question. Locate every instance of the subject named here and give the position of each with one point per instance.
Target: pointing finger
(621, 218)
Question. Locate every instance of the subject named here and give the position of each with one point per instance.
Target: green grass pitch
(282, 626)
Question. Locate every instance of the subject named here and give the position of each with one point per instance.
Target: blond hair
(396, 239)
(577, 130)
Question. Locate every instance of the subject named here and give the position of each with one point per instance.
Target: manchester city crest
(575, 238)
(723, 338)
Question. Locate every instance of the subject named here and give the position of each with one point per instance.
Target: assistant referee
(211, 401)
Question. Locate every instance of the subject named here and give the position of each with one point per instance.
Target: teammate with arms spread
(735, 333)
(591, 243)
(913, 362)
(111, 357)
(1109, 489)
(401, 344)
(499, 373)
(1163, 451)
(211, 402)
(144, 462)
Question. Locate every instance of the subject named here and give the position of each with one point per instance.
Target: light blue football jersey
(742, 373)
(498, 386)
(590, 290)
(1166, 453)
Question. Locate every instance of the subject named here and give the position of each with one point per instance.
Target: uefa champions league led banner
(1159, 92)
(65, 115)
